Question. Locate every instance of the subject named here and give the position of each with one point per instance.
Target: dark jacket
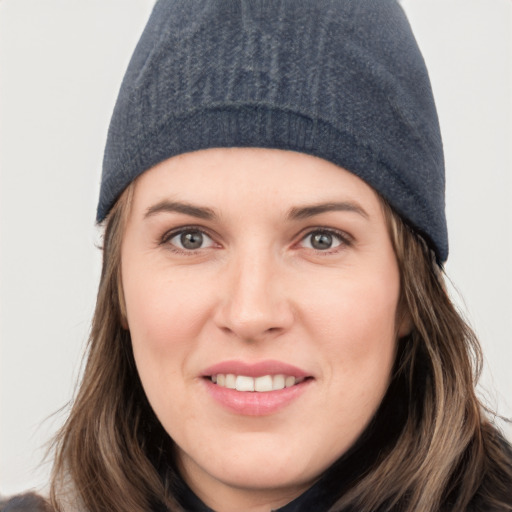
(28, 502)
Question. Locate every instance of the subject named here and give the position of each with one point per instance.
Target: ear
(403, 319)
(122, 306)
(124, 322)
(404, 322)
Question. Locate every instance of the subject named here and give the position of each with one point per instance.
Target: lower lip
(255, 403)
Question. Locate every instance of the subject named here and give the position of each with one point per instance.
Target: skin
(258, 289)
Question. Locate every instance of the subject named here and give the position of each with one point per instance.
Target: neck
(223, 497)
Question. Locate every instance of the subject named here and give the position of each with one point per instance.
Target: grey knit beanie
(343, 80)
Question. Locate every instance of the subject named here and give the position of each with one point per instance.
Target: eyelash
(167, 237)
(343, 238)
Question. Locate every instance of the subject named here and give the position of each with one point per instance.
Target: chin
(265, 465)
(257, 477)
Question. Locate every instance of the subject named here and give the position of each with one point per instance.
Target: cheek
(361, 308)
(354, 323)
(162, 312)
(164, 319)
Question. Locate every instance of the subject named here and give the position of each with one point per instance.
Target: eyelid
(343, 237)
(174, 232)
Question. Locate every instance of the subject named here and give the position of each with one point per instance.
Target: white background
(61, 63)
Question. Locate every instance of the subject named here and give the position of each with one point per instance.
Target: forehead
(244, 177)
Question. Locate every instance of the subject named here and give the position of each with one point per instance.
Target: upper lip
(257, 369)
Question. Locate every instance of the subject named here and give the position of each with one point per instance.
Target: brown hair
(103, 461)
(447, 454)
(441, 453)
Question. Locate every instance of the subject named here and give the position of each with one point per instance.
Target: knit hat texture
(343, 80)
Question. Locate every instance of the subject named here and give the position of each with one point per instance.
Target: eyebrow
(305, 212)
(179, 207)
(296, 213)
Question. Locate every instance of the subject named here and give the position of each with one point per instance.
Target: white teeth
(278, 382)
(289, 382)
(244, 383)
(231, 381)
(261, 384)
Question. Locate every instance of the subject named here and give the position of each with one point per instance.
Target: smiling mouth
(262, 384)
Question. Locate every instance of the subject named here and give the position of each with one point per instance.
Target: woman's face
(271, 272)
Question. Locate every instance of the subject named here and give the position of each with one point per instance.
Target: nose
(254, 304)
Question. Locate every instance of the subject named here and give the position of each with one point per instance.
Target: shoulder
(28, 502)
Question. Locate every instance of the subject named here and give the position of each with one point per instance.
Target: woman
(272, 330)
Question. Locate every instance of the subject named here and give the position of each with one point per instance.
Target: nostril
(254, 315)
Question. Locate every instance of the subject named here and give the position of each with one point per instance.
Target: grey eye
(191, 240)
(321, 240)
